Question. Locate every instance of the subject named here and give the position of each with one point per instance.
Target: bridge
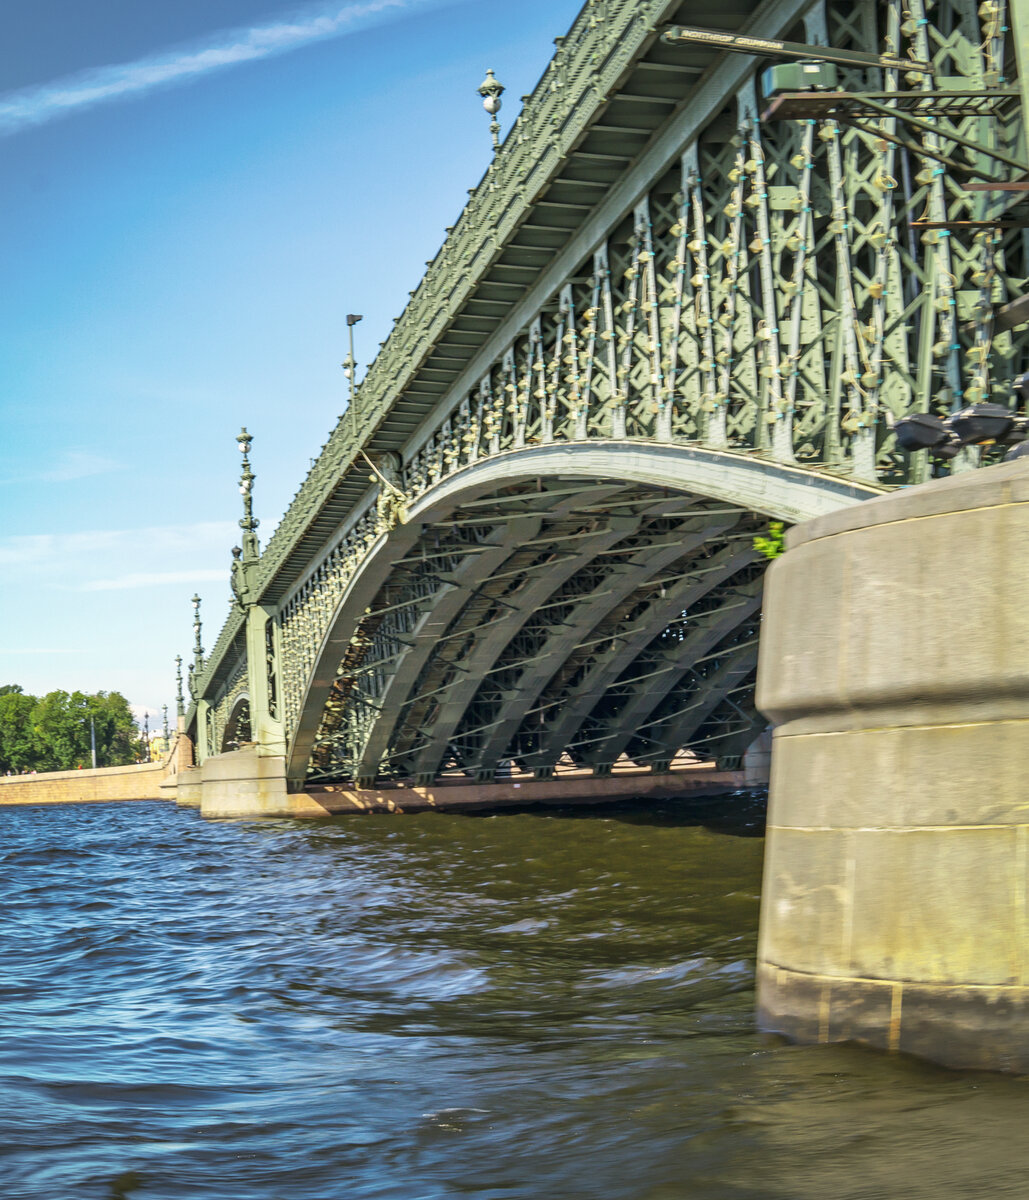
(687, 298)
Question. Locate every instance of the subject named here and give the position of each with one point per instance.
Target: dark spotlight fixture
(981, 423)
(976, 425)
(919, 431)
(949, 447)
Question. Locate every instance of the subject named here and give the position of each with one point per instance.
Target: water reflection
(515, 1005)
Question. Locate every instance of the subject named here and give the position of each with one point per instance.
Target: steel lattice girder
(657, 280)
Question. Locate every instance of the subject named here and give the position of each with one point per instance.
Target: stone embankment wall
(136, 782)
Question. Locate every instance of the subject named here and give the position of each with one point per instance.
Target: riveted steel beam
(709, 97)
(486, 649)
(633, 717)
(511, 534)
(448, 603)
(591, 610)
(605, 668)
(668, 736)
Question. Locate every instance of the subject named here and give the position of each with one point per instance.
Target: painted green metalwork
(660, 255)
(180, 702)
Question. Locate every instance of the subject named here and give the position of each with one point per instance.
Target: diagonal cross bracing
(484, 650)
(634, 716)
(603, 669)
(593, 609)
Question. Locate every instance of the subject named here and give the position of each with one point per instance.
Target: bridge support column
(202, 747)
(894, 662)
(244, 783)
(182, 773)
(188, 788)
(266, 728)
(182, 754)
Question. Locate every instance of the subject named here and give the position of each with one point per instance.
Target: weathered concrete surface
(584, 789)
(188, 785)
(757, 762)
(895, 663)
(177, 765)
(134, 782)
(242, 785)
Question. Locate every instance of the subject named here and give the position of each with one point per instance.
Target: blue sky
(196, 192)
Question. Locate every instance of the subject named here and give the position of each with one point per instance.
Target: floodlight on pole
(350, 363)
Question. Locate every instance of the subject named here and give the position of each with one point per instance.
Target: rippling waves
(538, 1004)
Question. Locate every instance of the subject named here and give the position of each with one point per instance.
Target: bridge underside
(548, 621)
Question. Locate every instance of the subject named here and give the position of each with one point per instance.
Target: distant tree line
(51, 732)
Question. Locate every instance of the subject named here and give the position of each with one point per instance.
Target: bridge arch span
(588, 598)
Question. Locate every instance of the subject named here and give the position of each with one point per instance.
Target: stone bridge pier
(895, 663)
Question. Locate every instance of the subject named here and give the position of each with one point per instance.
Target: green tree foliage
(771, 546)
(52, 732)
(17, 750)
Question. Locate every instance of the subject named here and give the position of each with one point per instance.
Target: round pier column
(895, 663)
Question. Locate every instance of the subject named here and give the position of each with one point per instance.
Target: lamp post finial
(491, 89)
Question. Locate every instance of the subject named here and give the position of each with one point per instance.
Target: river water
(544, 1004)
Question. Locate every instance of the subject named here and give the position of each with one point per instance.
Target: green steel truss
(656, 255)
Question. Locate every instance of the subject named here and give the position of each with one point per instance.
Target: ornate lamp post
(180, 703)
(350, 363)
(197, 665)
(245, 557)
(198, 647)
(260, 633)
(248, 522)
(164, 709)
(491, 89)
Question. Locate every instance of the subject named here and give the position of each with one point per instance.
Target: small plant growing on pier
(771, 546)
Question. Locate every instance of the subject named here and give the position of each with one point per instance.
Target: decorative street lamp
(198, 648)
(180, 703)
(164, 709)
(146, 735)
(246, 556)
(491, 89)
(248, 522)
(350, 363)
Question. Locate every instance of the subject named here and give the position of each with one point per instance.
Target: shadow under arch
(749, 484)
(237, 727)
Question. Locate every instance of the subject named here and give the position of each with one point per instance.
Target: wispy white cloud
(67, 466)
(228, 48)
(78, 464)
(61, 549)
(152, 712)
(36, 650)
(139, 579)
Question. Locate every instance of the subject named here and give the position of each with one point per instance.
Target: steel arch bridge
(674, 308)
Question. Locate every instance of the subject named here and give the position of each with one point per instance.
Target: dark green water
(539, 1004)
